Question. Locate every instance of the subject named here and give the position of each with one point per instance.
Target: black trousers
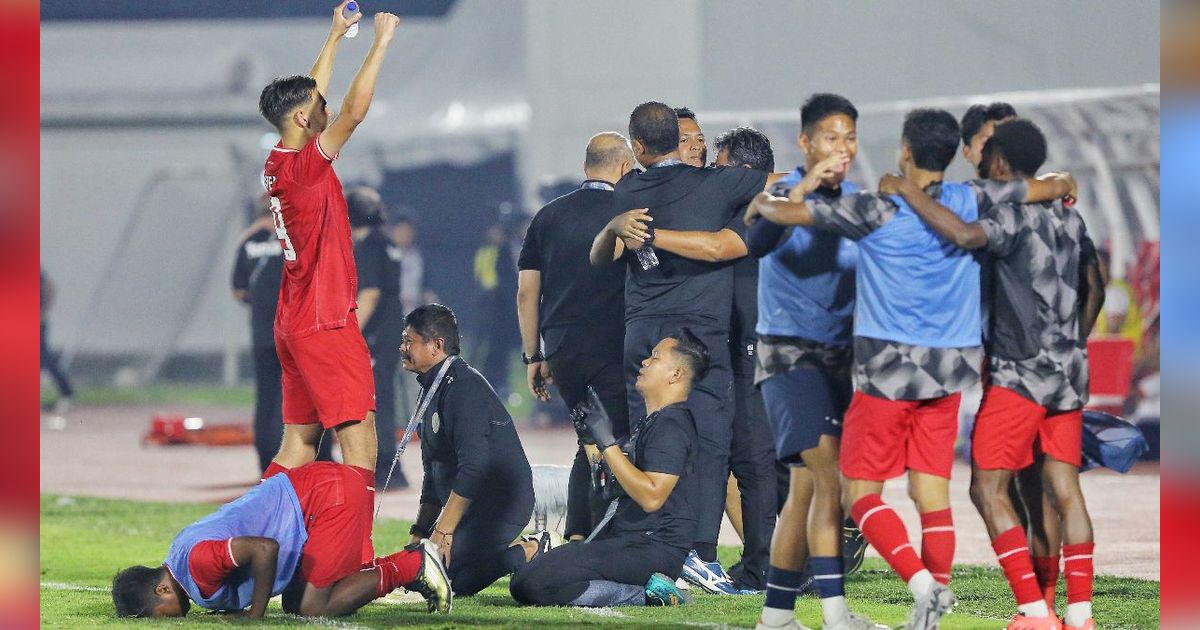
(752, 462)
(482, 552)
(559, 576)
(49, 360)
(709, 403)
(268, 404)
(385, 357)
(576, 367)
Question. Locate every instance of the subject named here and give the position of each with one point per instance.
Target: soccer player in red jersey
(297, 535)
(327, 378)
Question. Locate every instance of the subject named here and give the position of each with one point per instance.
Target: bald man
(571, 313)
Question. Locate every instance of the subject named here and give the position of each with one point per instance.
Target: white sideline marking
(63, 586)
(313, 621)
(602, 612)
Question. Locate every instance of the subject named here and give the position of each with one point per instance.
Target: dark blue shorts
(803, 404)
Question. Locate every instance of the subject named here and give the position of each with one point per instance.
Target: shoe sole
(690, 576)
(430, 556)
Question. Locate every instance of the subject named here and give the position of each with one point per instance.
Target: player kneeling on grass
(305, 534)
(636, 552)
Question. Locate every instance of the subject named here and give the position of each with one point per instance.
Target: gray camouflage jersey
(1033, 340)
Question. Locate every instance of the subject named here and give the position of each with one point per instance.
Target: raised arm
(258, 557)
(719, 246)
(323, 67)
(939, 217)
(362, 88)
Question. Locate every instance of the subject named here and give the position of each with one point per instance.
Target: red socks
(937, 543)
(272, 470)
(1077, 564)
(885, 531)
(1046, 569)
(1012, 550)
(396, 570)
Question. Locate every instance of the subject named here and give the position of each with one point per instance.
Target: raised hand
(385, 26)
(342, 22)
(821, 171)
(592, 423)
(891, 184)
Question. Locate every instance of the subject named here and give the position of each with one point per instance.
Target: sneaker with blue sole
(661, 591)
(709, 576)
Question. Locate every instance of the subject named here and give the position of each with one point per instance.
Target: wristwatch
(537, 357)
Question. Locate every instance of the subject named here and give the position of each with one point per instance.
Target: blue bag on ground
(1110, 441)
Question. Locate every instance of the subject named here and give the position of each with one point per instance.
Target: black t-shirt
(664, 442)
(377, 270)
(682, 197)
(469, 444)
(258, 270)
(580, 302)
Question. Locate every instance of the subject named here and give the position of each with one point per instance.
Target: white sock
(920, 583)
(1034, 609)
(834, 609)
(777, 616)
(1078, 613)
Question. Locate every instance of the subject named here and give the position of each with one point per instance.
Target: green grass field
(85, 541)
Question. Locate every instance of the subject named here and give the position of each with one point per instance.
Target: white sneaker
(930, 607)
(854, 621)
(791, 625)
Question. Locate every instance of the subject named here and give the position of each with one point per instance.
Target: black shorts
(803, 404)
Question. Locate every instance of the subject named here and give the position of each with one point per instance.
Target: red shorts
(327, 376)
(336, 502)
(1009, 424)
(882, 438)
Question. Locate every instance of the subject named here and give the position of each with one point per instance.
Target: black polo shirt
(470, 445)
(258, 270)
(581, 305)
(664, 442)
(378, 270)
(682, 197)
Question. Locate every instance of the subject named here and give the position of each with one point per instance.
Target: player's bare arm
(367, 300)
(1051, 186)
(323, 67)
(443, 530)
(649, 489)
(629, 227)
(529, 294)
(719, 246)
(258, 556)
(793, 209)
(1092, 298)
(943, 221)
(362, 88)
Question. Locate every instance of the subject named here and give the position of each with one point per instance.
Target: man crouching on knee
(636, 552)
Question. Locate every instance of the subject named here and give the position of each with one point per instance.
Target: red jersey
(320, 283)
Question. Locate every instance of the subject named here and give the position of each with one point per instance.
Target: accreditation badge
(435, 422)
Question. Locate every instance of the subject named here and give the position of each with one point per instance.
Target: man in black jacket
(664, 291)
(571, 313)
(477, 492)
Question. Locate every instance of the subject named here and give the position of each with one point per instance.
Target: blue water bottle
(351, 9)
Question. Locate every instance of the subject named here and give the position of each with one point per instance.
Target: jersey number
(289, 252)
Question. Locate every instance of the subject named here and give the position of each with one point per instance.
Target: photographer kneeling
(635, 554)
